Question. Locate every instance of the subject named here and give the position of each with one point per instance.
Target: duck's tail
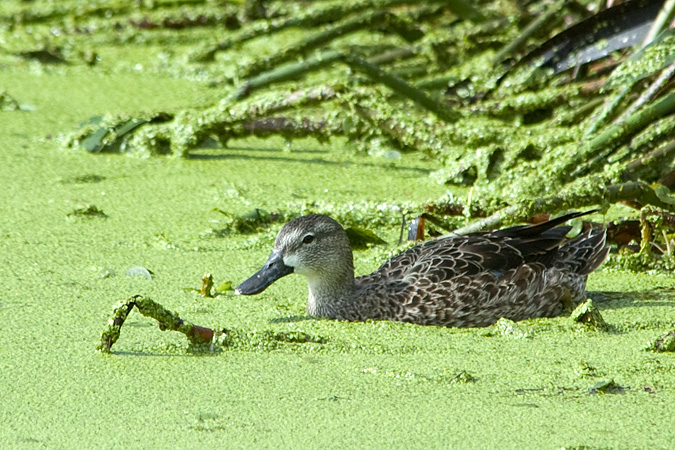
(584, 253)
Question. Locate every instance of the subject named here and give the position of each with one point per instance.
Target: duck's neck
(329, 291)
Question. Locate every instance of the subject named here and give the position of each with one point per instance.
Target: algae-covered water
(366, 385)
(545, 384)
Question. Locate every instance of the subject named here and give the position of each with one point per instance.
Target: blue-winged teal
(457, 281)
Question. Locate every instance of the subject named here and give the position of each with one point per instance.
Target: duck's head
(315, 246)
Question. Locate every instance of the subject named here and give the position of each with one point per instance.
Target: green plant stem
(286, 72)
(649, 93)
(401, 87)
(614, 135)
(655, 160)
(661, 22)
(315, 41)
(592, 194)
(166, 320)
(552, 12)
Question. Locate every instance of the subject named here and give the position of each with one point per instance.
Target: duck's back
(474, 280)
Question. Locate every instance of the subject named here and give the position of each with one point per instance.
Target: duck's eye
(308, 239)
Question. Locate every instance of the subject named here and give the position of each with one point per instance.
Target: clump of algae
(201, 339)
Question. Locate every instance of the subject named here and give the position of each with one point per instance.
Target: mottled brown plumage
(458, 281)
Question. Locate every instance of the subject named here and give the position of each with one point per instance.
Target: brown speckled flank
(457, 281)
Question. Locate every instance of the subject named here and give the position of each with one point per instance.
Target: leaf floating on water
(7, 102)
(140, 271)
(207, 285)
(663, 344)
(463, 377)
(252, 222)
(91, 142)
(607, 387)
(88, 178)
(45, 55)
(97, 143)
(224, 287)
(507, 327)
(87, 212)
(362, 238)
(108, 134)
(589, 314)
(106, 273)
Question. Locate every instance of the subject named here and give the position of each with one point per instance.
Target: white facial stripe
(292, 260)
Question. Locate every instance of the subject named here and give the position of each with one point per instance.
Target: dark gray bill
(273, 269)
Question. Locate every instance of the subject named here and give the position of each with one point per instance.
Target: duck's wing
(469, 255)
(546, 243)
(584, 253)
(475, 279)
(468, 301)
(495, 252)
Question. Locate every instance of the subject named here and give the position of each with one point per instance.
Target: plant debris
(607, 387)
(140, 271)
(207, 285)
(665, 343)
(88, 211)
(167, 320)
(7, 102)
(574, 123)
(200, 338)
(587, 313)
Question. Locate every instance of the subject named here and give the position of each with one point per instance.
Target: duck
(472, 280)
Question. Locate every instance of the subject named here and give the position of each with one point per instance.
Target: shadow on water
(269, 154)
(633, 299)
(154, 354)
(291, 319)
(607, 300)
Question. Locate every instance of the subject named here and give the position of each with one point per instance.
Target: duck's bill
(273, 269)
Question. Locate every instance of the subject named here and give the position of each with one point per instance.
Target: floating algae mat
(233, 119)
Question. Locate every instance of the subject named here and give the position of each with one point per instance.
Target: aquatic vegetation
(663, 344)
(588, 313)
(523, 120)
(201, 338)
(464, 388)
(439, 78)
(607, 387)
(87, 211)
(140, 271)
(207, 285)
(7, 102)
(252, 222)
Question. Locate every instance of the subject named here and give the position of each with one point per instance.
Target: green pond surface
(357, 385)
